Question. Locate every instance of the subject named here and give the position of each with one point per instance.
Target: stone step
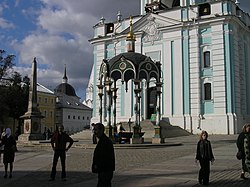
(168, 130)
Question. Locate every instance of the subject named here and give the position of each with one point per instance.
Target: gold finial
(130, 35)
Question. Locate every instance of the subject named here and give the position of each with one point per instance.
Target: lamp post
(114, 91)
(108, 84)
(100, 94)
(137, 91)
(158, 106)
(139, 103)
(158, 137)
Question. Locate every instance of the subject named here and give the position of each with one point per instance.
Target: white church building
(203, 47)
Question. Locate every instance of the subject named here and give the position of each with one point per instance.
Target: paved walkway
(166, 165)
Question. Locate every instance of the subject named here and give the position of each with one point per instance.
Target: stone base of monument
(136, 140)
(30, 137)
(158, 140)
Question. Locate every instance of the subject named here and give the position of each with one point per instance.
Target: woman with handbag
(9, 143)
(243, 144)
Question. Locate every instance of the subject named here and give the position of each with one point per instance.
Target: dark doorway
(151, 102)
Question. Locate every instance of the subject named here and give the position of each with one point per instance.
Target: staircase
(168, 130)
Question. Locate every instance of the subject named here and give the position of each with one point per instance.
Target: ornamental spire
(130, 38)
(65, 78)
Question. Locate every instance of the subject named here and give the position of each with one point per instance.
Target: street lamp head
(108, 84)
(158, 87)
(100, 87)
(114, 90)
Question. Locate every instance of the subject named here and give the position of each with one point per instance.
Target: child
(204, 155)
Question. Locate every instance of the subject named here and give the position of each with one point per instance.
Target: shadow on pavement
(41, 179)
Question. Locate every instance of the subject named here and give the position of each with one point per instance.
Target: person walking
(94, 139)
(104, 157)
(59, 142)
(204, 155)
(9, 143)
(243, 145)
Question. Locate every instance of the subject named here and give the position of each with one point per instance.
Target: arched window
(206, 57)
(207, 91)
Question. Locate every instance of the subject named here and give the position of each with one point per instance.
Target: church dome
(66, 89)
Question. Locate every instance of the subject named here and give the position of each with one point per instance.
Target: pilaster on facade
(218, 67)
(195, 97)
(237, 72)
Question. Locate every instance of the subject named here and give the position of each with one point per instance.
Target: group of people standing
(204, 154)
(104, 156)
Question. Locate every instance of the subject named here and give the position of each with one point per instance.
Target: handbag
(239, 155)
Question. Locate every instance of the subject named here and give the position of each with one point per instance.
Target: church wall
(247, 68)
(194, 53)
(99, 55)
(218, 66)
(181, 54)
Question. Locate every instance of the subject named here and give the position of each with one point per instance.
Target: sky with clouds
(56, 32)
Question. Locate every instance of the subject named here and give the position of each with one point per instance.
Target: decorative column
(157, 137)
(137, 128)
(108, 84)
(100, 94)
(114, 91)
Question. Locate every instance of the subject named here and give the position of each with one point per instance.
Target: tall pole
(158, 107)
(100, 86)
(114, 109)
(108, 84)
(137, 91)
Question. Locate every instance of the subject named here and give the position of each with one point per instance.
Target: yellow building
(46, 104)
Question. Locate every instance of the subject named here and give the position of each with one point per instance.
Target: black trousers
(204, 171)
(62, 155)
(104, 179)
(244, 167)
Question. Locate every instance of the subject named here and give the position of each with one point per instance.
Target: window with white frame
(206, 56)
(206, 59)
(207, 91)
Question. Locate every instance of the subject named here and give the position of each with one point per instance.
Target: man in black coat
(59, 142)
(104, 157)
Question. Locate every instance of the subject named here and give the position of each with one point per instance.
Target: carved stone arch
(154, 74)
(116, 75)
(122, 66)
(143, 74)
(151, 68)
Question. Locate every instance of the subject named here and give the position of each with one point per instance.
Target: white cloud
(61, 37)
(52, 53)
(5, 24)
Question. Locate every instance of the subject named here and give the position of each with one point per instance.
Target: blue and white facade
(204, 49)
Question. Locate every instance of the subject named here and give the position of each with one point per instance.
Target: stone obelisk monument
(32, 118)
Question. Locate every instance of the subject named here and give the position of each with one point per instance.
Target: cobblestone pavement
(33, 165)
